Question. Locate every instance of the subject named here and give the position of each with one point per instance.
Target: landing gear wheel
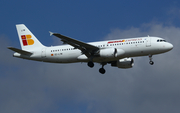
(102, 70)
(90, 64)
(150, 58)
(151, 62)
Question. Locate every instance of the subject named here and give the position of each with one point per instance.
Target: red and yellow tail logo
(26, 40)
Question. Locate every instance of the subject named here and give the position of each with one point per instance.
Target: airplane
(117, 53)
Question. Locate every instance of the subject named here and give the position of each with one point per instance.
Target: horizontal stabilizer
(20, 51)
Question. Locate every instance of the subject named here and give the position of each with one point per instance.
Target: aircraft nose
(169, 46)
(165, 47)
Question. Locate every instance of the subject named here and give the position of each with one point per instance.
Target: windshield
(161, 40)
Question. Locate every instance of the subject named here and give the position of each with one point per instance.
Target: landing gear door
(148, 41)
(43, 53)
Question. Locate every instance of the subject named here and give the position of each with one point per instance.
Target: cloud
(29, 86)
(157, 88)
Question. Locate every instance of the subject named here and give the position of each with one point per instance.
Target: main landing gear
(90, 64)
(150, 58)
(101, 70)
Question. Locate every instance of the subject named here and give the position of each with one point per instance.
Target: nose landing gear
(150, 58)
(151, 62)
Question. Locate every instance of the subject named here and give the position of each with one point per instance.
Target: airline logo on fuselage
(116, 41)
(128, 40)
(26, 40)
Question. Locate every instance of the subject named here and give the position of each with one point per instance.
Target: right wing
(86, 49)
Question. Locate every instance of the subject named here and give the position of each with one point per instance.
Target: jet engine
(123, 63)
(111, 52)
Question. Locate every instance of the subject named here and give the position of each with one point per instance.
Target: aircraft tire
(151, 62)
(90, 64)
(102, 70)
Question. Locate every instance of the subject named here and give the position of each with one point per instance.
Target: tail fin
(27, 40)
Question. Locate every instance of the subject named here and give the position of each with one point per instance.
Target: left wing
(86, 49)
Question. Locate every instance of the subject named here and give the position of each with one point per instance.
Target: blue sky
(87, 21)
(28, 86)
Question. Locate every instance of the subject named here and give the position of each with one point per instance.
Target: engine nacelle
(111, 52)
(123, 63)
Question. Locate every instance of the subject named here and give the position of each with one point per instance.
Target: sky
(29, 86)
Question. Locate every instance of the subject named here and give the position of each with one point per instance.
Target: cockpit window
(160, 40)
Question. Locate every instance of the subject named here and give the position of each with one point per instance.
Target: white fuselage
(133, 47)
(114, 52)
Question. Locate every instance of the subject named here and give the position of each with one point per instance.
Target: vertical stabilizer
(27, 40)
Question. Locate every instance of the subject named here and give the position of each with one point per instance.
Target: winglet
(51, 33)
